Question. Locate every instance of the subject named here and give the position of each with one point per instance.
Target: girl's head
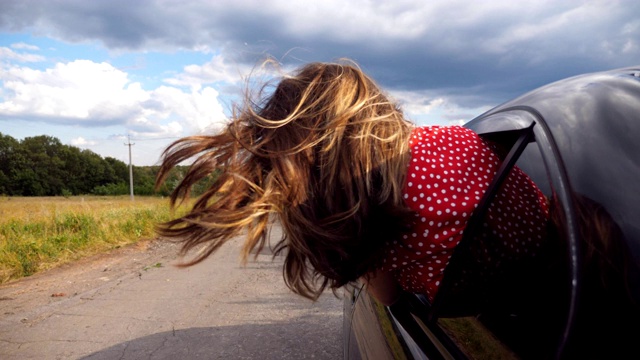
(324, 154)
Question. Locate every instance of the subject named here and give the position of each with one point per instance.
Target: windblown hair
(325, 153)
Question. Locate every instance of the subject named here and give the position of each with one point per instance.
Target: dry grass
(43, 232)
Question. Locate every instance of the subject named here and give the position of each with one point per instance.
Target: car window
(509, 306)
(502, 309)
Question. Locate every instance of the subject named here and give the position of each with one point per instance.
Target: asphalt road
(134, 303)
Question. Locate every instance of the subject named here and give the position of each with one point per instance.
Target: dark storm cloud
(475, 53)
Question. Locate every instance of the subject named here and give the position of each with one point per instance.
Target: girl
(360, 191)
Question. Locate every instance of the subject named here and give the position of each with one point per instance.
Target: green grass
(37, 234)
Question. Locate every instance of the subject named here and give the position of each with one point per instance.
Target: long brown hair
(325, 153)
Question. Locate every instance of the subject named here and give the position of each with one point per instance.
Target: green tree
(120, 169)
(38, 171)
(43, 166)
(8, 148)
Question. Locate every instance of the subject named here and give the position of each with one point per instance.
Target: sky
(100, 75)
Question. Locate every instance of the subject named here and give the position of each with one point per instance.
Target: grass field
(39, 233)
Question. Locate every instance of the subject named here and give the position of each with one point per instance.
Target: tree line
(43, 166)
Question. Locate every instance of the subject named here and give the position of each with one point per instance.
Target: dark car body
(578, 140)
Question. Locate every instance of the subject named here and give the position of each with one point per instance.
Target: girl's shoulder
(442, 134)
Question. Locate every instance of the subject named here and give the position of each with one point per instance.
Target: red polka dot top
(449, 171)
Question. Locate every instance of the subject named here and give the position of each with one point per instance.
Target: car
(578, 139)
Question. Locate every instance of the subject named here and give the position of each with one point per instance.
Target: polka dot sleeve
(449, 171)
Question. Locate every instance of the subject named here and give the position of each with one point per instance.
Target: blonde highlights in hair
(325, 154)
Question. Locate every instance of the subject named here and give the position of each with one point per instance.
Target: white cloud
(354, 19)
(97, 94)
(8, 54)
(214, 71)
(418, 104)
(199, 110)
(24, 46)
(82, 142)
(80, 90)
(426, 109)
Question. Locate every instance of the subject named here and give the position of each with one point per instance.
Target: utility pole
(129, 144)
